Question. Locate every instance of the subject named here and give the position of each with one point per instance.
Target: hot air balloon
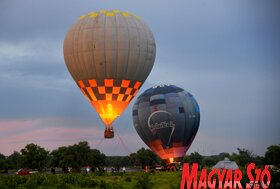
(166, 118)
(109, 55)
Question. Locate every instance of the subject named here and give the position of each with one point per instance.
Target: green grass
(166, 180)
(139, 180)
(135, 180)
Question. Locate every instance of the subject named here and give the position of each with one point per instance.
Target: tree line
(78, 155)
(242, 158)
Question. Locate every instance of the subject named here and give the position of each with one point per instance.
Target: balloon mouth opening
(171, 160)
(108, 118)
(109, 115)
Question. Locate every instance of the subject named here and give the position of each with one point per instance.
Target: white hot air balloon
(109, 55)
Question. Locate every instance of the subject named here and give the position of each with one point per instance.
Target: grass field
(139, 180)
(129, 180)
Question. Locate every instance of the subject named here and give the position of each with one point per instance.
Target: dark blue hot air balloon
(166, 118)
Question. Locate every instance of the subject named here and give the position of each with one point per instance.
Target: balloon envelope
(167, 119)
(109, 55)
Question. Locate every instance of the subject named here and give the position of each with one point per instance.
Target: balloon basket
(174, 166)
(109, 133)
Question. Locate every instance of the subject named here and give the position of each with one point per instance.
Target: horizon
(123, 155)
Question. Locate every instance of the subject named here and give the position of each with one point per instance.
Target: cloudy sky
(226, 53)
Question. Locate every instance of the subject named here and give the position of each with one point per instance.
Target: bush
(102, 184)
(51, 180)
(11, 181)
(35, 180)
(174, 186)
(127, 179)
(85, 181)
(275, 178)
(137, 180)
(144, 181)
(62, 185)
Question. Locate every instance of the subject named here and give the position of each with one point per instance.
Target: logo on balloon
(166, 121)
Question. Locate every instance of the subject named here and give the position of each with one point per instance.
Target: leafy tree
(15, 160)
(125, 161)
(3, 163)
(76, 156)
(186, 159)
(96, 158)
(272, 155)
(222, 156)
(259, 160)
(79, 154)
(34, 156)
(212, 160)
(2, 156)
(70, 156)
(243, 157)
(195, 158)
(117, 161)
(208, 162)
(133, 158)
(57, 157)
(144, 157)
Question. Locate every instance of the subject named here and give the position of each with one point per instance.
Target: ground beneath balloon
(156, 180)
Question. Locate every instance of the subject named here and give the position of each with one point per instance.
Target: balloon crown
(108, 14)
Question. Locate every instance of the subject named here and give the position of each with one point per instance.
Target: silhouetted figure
(53, 170)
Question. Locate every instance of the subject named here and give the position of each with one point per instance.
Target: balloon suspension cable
(99, 143)
(123, 144)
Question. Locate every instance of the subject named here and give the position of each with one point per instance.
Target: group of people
(104, 169)
(89, 169)
(117, 169)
